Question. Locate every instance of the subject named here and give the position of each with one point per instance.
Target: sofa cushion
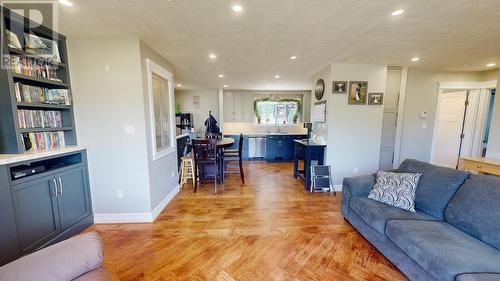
(441, 249)
(63, 261)
(478, 277)
(396, 189)
(475, 209)
(436, 186)
(376, 214)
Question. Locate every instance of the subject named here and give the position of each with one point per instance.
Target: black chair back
(205, 150)
(240, 147)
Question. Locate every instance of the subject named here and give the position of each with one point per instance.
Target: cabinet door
(238, 99)
(73, 199)
(249, 115)
(229, 114)
(36, 212)
(287, 148)
(272, 148)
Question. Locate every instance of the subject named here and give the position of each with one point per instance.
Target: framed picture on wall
(375, 98)
(358, 91)
(339, 87)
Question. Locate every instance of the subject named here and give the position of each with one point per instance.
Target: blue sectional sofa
(454, 235)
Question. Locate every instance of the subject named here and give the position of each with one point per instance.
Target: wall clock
(320, 89)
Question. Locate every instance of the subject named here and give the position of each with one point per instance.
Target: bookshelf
(33, 90)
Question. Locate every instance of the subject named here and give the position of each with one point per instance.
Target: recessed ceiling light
(221, 75)
(66, 3)
(293, 57)
(415, 59)
(179, 85)
(237, 8)
(225, 86)
(491, 64)
(398, 12)
(276, 76)
(466, 65)
(212, 56)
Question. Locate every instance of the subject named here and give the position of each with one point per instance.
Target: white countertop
(6, 159)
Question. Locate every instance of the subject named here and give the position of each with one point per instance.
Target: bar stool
(187, 169)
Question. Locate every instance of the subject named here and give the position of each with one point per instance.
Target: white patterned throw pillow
(396, 189)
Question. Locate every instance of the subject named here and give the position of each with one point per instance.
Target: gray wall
(163, 172)
(110, 92)
(209, 100)
(107, 92)
(421, 95)
(353, 132)
(493, 150)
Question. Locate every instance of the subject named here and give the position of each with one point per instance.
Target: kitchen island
(311, 153)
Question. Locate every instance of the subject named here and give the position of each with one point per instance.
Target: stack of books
(30, 67)
(46, 140)
(34, 94)
(39, 119)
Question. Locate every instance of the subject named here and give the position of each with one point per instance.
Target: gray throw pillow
(396, 189)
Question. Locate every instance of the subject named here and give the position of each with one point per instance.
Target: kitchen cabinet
(281, 147)
(238, 106)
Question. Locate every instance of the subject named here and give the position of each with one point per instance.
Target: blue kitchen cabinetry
(281, 147)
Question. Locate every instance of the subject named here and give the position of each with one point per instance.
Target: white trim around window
(155, 69)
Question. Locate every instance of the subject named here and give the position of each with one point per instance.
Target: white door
(391, 100)
(450, 118)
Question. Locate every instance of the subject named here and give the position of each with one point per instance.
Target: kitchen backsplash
(250, 127)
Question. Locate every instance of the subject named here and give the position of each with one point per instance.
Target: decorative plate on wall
(320, 89)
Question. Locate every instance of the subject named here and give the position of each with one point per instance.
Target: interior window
(161, 103)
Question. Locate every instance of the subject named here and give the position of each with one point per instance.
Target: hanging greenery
(277, 99)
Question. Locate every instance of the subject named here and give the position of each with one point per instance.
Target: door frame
(466, 86)
(400, 118)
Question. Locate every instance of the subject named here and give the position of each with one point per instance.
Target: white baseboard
(136, 217)
(157, 211)
(337, 187)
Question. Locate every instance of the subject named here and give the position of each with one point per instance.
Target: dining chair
(213, 135)
(230, 156)
(206, 161)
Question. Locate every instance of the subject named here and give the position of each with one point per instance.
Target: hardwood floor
(267, 229)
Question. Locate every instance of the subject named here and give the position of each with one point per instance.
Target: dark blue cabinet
(42, 209)
(36, 212)
(74, 198)
(272, 148)
(281, 147)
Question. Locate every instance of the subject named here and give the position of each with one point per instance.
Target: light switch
(107, 67)
(129, 129)
(424, 125)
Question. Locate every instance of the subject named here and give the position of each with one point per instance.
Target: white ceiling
(255, 45)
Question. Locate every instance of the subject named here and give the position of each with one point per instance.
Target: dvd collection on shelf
(34, 94)
(31, 67)
(39, 119)
(44, 140)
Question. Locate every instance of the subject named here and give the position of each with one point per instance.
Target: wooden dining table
(221, 144)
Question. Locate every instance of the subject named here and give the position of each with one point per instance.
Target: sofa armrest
(63, 261)
(355, 187)
(478, 277)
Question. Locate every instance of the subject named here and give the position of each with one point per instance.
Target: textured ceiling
(255, 45)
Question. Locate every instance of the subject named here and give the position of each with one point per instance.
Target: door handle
(60, 186)
(55, 188)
